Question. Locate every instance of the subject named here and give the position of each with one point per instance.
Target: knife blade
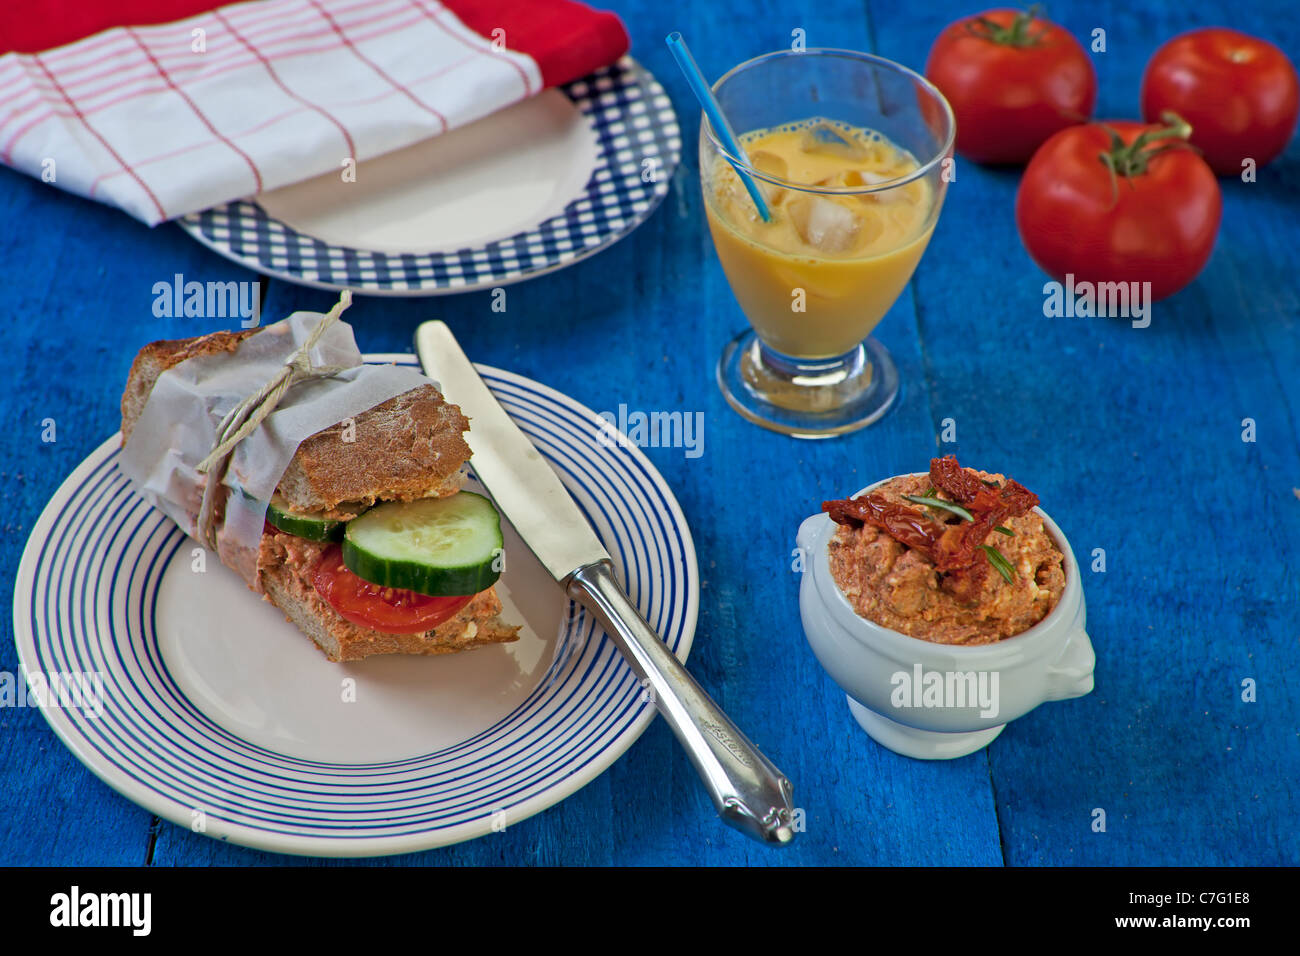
(749, 792)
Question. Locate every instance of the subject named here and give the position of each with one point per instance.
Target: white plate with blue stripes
(176, 686)
(620, 127)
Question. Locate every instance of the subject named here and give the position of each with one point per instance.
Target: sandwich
(370, 545)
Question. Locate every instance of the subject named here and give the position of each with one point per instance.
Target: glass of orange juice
(852, 153)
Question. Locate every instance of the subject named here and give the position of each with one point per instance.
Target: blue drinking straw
(700, 87)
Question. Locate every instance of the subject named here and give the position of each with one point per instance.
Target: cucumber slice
(436, 546)
(309, 526)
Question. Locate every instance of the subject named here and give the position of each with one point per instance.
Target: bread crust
(286, 565)
(157, 357)
(409, 447)
(341, 640)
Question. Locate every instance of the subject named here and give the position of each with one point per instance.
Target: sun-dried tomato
(966, 488)
(953, 549)
(956, 482)
(905, 525)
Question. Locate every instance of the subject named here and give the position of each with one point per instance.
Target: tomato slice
(391, 610)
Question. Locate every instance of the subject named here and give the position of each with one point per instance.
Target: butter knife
(749, 792)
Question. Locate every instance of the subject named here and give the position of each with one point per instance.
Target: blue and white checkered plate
(190, 696)
(634, 147)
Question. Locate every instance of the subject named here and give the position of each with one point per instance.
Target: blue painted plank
(1132, 437)
(78, 281)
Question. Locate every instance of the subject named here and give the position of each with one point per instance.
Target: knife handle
(749, 792)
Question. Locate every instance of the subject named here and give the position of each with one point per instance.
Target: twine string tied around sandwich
(247, 415)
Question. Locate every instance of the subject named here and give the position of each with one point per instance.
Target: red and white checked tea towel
(167, 119)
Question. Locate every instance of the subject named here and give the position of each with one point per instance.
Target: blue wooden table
(1132, 438)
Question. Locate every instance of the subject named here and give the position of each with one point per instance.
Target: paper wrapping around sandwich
(178, 426)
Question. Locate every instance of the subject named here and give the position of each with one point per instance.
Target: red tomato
(1239, 93)
(1153, 221)
(1013, 80)
(392, 610)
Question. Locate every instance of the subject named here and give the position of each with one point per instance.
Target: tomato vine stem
(1128, 160)
(1015, 34)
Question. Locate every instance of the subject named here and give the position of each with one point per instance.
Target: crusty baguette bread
(411, 446)
(408, 447)
(157, 357)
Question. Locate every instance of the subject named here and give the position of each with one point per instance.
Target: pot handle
(1070, 675)
(807, 531)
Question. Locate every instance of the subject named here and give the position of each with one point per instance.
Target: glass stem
(814, 372)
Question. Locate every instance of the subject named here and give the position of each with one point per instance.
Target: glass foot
(807, 398)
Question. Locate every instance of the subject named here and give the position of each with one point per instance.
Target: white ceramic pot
(938, 701)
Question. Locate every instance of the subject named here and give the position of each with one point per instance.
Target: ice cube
(727, 194)
(908, 195)
(772, 165)
(825, 139)
(730, 201)
(861, 177)
(853, 179)
(824, 224)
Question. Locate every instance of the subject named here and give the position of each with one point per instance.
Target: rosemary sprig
(932, 502)
(1007, 531)
(1000, 563)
